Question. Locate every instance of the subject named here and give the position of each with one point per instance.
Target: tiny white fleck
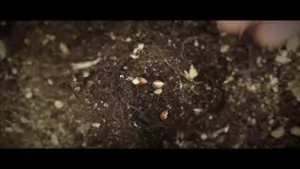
(226, 129)
(224, 48)
(140, 46)
(210, 117)
(50, 82)
(122, 76)
(96, 125)
(85, 74)
(128, 39)
(105, 105)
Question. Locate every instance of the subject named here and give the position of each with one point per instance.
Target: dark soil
(105, 109)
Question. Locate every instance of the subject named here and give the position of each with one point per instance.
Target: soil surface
(238, 99)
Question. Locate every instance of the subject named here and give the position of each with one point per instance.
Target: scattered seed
(54, 140)
(14, 71)
(27, 41)
(197, 111)
(192, 73)
(105, 105)
(224, 48)
(142, 80)
(295, 131)
(135, 81)
(28, 95)
(204, 136)
(96, 125)
(278, 133)
(282, 58)
(86, 74)
(64, 49)
(140, 46)
(158, 91)
(196, 43)
(158, 84)
(50, 82)
(164, 115)
(128, 39)
(84, 65)
(58, 104)
(134, 56)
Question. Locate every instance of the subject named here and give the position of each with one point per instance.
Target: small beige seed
(135, 81)
(142, 80)
(58, 104)
(164, 115)
(64, 49)
(158, 84)
(158, 91)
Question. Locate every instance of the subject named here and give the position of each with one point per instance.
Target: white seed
(204, 136)
(295, 131)
(14, 71)
(158, 84)
(96, 125)
(135, 81)
(28, 95)
(142, 80)
(128, 39)
(85, 74)
(164, 115)
(50, 82)
(134, 56)
(64, 49)
(278, 133)
(58, 104)
(158, 91)
(224, 48)
(140, 46)
(196, 43)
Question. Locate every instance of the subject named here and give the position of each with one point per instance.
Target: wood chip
(64, 49)
(295, 131)
(278, 133)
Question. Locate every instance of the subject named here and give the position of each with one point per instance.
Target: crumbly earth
(239, 99)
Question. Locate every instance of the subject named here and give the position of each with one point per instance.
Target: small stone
(204, 136)
(96, 125)
(158, 91)
(58, 104)
(224, 48)
(28, 95)
(54, 140)
(295, 131)
(278, 133)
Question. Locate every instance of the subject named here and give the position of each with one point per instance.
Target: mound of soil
(237, 99)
